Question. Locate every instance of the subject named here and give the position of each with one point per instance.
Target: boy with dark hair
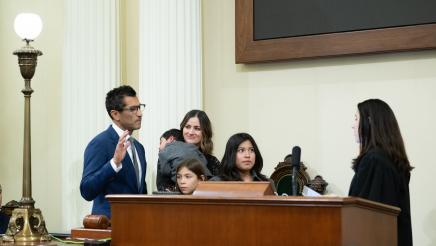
(170, 136)
(172, 151)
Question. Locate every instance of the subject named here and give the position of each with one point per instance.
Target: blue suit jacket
(4, 221)
(99, 178)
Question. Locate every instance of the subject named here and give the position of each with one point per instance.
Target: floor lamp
(27, 226)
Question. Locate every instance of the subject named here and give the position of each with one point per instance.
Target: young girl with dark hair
(189, 173)
(242, 160)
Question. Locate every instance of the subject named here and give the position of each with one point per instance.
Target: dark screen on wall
(293, 18)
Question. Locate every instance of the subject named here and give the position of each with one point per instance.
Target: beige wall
(45, 106)
(311, 103)
(308, 103)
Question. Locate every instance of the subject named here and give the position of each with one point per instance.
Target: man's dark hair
(114, 98)
(176, 133)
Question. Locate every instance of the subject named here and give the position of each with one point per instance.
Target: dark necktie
(135, 161)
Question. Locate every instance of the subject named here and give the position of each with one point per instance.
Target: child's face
(187, 181)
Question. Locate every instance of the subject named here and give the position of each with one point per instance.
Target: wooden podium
(269, 220)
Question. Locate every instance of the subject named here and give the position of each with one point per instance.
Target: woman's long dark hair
(206, 144)
(378, 129)
(229, 171)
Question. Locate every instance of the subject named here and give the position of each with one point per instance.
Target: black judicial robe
(377, 179)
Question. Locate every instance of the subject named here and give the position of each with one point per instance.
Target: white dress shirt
(120, 132)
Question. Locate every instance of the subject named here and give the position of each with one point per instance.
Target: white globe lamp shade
(28, 26)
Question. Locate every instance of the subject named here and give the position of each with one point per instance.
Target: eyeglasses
(134, 109)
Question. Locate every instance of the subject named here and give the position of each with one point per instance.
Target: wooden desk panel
(271, 220)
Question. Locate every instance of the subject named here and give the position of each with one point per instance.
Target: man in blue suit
(114, 162)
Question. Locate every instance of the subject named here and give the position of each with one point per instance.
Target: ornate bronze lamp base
(26, 225)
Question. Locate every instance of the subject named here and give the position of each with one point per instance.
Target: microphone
(295, 161)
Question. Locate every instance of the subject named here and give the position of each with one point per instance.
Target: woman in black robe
(382, 169)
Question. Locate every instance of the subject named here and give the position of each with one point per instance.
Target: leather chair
(282, 177)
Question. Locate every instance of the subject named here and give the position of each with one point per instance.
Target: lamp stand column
(27, 224)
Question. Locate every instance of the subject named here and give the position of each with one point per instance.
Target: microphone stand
(295, 161)
(294, 179)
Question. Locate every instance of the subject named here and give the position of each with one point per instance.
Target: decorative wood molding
(324, 201)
